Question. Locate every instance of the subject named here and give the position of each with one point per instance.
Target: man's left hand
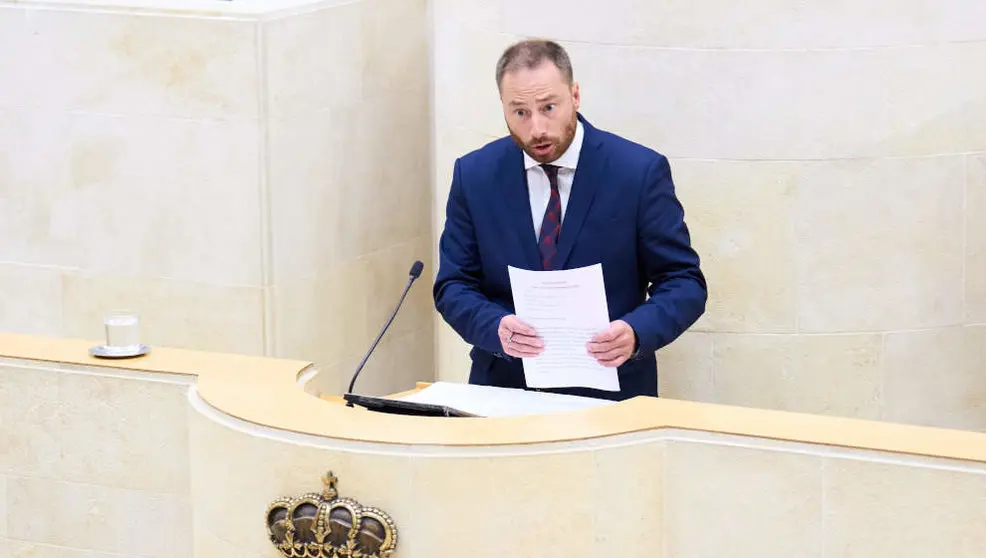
(614, 346)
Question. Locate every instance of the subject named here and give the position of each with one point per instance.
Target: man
(561, 194)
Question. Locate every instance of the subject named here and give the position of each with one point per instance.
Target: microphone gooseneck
(415, 272)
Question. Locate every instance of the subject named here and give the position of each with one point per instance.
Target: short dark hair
(529, 54)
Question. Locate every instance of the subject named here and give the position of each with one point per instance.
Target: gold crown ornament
(326, 526)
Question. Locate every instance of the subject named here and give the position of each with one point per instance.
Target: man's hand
(614, 346)
(519, 339)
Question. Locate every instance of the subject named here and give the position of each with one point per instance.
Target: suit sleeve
(457, 293)
(677, 286)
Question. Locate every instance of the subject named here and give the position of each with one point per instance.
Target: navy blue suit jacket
(622, 212)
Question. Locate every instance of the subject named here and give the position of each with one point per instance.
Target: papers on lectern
(567, 308)
(488, 401)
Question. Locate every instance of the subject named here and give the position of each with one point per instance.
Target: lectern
(229, 456)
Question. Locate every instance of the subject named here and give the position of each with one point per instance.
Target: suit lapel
(588, 176)
(513, 177)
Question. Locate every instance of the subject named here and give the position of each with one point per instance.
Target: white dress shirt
(538, 186)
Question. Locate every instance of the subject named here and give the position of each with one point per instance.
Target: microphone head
(416, 269)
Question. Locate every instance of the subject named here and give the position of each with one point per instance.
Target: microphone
(415, 272)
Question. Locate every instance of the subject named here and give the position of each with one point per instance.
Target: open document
(489, 401)
(567, 308)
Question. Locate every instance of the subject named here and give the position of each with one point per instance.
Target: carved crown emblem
(327, 526)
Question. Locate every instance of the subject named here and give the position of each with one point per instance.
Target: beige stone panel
(323, 320)
(870, 244)
(313, 167)
(944, 115)
(339, 313)
(174, 314)
(935, 378)
(14, 38)
(208, 545)
(30, 299)
(131, 195)
(3, 510)
(154, 525)
(24, 549)
(35, 173)
(472, 14)
(743, 104)
(346, 181)
(399, 361)
(30, 415)
(408, 173)
(336, 344)
(335, 196)
(451, 353)
(838, 375)
(507, 501)
(63, 514)
(123, 432)
(717, 24)
(391, 203)
(628, 500)
(406, 353)
(314, 60)
(129, 63)
(741, 219)
(236, 475)
(887, 509)
(465, 92)
(395, 48)
(98, 518)
(975, 238)
(733, 501)
(684, 368)
(385, 277)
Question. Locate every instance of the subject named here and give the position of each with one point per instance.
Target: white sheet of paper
(566, 307)
(489, 401)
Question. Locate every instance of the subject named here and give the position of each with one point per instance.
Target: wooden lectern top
(266, 391)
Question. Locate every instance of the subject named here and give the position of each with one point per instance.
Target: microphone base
(398, 407)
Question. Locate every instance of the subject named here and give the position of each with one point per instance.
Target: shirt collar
(570, 158)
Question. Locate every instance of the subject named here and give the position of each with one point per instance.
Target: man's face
(540, 110)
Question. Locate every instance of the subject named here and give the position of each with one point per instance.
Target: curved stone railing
(226, 435)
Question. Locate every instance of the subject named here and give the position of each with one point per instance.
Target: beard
(558, 145)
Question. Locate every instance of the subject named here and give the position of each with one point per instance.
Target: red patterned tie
(551, 224)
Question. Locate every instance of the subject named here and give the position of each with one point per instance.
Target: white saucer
(105, 351)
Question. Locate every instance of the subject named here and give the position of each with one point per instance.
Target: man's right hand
(519, 339)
